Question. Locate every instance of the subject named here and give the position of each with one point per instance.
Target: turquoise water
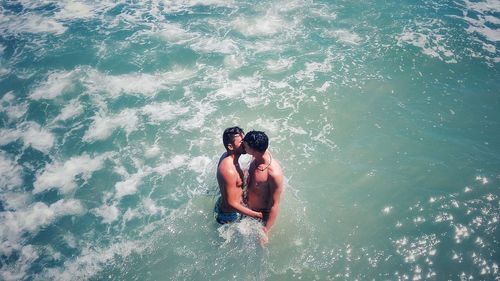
(384, 115)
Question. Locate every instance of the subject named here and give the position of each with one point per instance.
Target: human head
(228, 138)
(257, 141)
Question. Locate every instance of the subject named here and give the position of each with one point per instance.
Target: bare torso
(226, 165)
(261, 186)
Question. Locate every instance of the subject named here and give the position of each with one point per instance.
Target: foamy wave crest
(129, 186)
(182, 5)
(313, 67)
(486, 18)
(266, 25)
(108, 213)
(103, 125)
(91, 261)
(71, 110)
(345, 36)
(164, 111)
(200, 164)
(62, 175)
(31, 219)
(202, 110)
(243, 87)
(175, 34)
(175, 162)
(29, 23)
(55, 85)
(10, 173)
(12, 110)
(215, 45)
(248, 229)
(31, 133)
(427, 37)
(279, 65)
(74, 10)
(144, 84)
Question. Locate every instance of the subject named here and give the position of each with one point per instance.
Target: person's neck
(234, 156)
(261, 158)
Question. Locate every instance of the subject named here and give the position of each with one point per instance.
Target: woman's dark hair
(229, 134)
(257, 140)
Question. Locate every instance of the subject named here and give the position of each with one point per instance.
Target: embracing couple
(259, 195)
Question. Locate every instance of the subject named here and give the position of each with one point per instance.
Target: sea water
(385, 116)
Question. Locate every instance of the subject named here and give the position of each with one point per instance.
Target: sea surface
(385, 116)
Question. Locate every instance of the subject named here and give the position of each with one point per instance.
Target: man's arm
(234, 196)
(277, 187)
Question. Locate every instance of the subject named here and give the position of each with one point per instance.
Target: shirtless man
(265, 181)
(229, 206)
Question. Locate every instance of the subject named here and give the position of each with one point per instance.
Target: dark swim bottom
(222, 217)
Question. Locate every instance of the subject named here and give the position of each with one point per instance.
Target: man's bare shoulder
(275, 169)
(226, 166)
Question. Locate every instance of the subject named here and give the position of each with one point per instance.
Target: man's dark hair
(257, 140)
(229, 134)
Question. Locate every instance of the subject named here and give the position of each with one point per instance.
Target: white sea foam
(271, 126)
(343, 35)
(163, 111)
(151, 208)
(279, 65)
(265, 25)
(262, 46)
(74, 10)
(241, 88)
(62, 175)
(182, 5)
(176, 34)
(427, 37)
(29, 23)
(202, 110)
(248, 229)
(15, 200)
(34, 217)
(4, 71)
(108, 213)
(143, 83)
(199, 164)
(71, 110)
(13, 111)
(324, 13)
(131, 183)
(485, 6)
(10, 173)
(91, 261)
(215, 45)
(56, 84)
(27, 255)
(323, 87)
(234, 61)
(312, 68)
(152, 151)
(31, 133)
(175, 162)
(104, 125)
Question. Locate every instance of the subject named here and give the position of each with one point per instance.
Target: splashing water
(383, 115)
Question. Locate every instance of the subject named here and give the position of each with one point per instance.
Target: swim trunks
(223, 217)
